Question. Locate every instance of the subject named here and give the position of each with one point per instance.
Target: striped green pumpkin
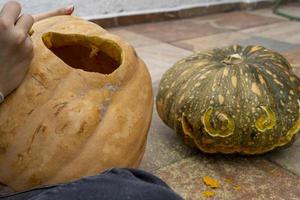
(232, 100)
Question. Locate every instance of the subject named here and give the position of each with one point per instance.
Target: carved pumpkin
(232, 100)
(84, 106)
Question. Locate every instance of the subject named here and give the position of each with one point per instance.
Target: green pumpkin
(232, 100)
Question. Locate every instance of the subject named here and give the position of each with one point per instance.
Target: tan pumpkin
(84, 106)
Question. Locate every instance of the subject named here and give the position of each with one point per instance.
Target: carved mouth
(92, 54)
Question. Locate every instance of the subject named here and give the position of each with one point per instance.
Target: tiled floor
(272, 176)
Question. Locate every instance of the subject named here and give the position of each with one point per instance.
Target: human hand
(16, 49)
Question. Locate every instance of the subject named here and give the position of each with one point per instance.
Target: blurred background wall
(110, 8)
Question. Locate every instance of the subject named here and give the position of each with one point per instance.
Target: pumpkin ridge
(53, 158)
(48, 176)
(18, 129)
(187, 83)
(181, 77)
(275, 100)
(83, 150)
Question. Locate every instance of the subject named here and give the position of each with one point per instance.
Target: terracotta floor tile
(278, 46)
(297, 71)
(161, 57)
(291, 9)
(293, 56)
(288, 158)
(238, 20)
(212, 41)
(134, 39)
(266, 12)
(287, 31)
(251, 178)
(242, 20)
(175, 30)
(230, 38)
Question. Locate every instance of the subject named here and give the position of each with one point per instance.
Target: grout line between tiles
(282, 167)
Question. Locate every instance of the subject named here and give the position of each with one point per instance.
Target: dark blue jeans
(113, 184)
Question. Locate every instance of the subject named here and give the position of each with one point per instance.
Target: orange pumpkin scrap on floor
(84, 106)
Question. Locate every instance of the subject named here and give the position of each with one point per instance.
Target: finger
(62, 11)
(10, 12)
(27, 47)
(24, 53)
(25, 22)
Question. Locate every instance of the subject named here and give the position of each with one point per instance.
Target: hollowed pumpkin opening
(92, 54)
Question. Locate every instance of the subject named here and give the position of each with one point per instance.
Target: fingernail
(69, 9)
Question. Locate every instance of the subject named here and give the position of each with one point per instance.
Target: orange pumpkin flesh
(84, 106)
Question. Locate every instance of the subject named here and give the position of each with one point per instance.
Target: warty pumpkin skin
(232, 100)
(84, 106)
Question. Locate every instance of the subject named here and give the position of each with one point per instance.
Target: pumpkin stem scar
(227, 124)
(267, 121)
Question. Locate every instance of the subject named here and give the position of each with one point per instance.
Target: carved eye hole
(266, 121)
(218, 124)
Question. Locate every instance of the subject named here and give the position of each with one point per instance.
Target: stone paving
(274, 175)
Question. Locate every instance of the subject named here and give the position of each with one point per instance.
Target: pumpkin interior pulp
(89, 53)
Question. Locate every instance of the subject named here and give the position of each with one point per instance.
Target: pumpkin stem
(233, 59)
